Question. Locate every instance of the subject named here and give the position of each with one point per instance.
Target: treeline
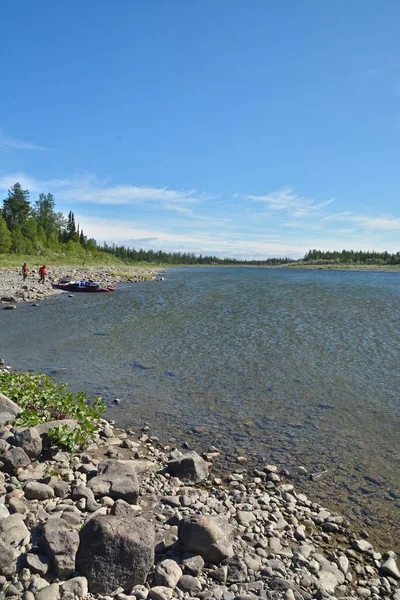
(27, 228)
(181, 258)
(360, 257)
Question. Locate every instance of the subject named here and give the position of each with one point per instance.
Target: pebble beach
(13, 289)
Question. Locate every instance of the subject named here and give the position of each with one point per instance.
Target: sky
(247, 129)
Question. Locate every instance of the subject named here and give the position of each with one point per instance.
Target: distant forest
(38, 229)
(358, 257)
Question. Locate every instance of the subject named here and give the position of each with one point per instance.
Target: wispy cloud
(287, 200)
(87, 188)
(8, 142)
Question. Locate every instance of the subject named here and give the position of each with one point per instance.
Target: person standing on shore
(42, 273)
(25, 271)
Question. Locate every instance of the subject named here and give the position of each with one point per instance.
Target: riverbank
(14, 289)
(84, 525)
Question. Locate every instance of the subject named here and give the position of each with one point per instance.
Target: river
(285, 367)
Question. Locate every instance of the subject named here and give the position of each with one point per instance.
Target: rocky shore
(130, 518)
(13, 289)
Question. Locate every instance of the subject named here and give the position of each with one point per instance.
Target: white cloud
(285, 199)
(10, 143)
(87, 188)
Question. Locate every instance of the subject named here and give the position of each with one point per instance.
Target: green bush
(42, 400)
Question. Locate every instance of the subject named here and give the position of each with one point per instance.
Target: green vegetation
(42, 400)
(351, 257)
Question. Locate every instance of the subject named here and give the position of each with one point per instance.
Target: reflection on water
(289, 367)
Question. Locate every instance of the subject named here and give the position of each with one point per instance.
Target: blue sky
(246, 129)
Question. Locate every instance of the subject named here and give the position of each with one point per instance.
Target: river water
(289, 367)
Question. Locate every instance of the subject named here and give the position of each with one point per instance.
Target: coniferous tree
(16, 207)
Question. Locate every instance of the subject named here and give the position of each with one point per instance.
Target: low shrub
(42, 400)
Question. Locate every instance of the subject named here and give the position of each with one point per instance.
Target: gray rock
(38, 563)
(209, 536)
(189, 467)
(188, 583)
(362, 546)
(17, 505)
(8, 559)
(60, 543)
(84, 492)
(245, 517)
(8, 410)
(193, 563)
(160, 592)
(4, 513)
(13, 530)
(13, 460)
(51, 592)
(237, 570)
(124, 510)
(220, 574)
(117, 480)
(115, 552)
(29, 440)
(390, 568)
(38, 491)
(167, 573)
(77, 587)
(4, 446)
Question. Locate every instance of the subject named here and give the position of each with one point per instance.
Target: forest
(37, 228)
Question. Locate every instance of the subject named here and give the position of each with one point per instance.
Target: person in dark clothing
(25, 271)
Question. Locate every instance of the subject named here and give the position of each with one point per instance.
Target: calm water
(296, 368)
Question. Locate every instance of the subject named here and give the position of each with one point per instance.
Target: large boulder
(209, 536)
(8, 410)
(189, 467)
(117, 480)
(115, 552)
(29, 440)
(13, 460)
(60, 543)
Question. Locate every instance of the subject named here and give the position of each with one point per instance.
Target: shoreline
(14, 290)
(275, 543)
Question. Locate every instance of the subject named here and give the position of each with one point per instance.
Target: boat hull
(81, 288)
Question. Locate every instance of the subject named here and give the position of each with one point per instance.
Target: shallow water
(292, 367)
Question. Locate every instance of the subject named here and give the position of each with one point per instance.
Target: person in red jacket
(42, 273)
(25, 271)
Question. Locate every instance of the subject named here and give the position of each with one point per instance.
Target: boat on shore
(82, 286)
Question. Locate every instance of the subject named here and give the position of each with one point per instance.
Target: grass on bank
(42, 400)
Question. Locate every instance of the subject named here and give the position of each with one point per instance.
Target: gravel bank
(13, 289)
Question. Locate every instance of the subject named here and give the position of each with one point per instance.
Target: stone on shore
(189, 467)
(8, 559)
(115, 552)
(390, 568)
(13, 460)
(9, 410)
(167, 573)
(38, 491)
(29, 440)
(116, 480)
(209, 536)
(13, 530)
(60, 543)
